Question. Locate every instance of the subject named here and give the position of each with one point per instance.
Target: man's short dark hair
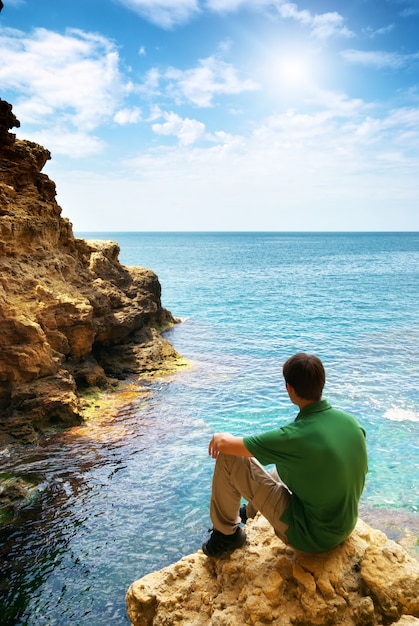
(305, 373)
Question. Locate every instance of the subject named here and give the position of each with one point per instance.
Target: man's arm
(227, 444)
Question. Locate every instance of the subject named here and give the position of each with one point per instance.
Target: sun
(293, 71)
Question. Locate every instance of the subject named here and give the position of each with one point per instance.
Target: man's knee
(230, 461)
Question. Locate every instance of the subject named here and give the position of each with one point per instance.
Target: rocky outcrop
(71, 316)
(368, 580)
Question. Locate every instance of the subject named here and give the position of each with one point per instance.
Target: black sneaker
(219, 544)
(243, 513)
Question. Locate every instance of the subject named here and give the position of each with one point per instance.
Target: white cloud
(72, 77)
(410, 11)
(295, 172)
(186, 130)
(151, 84)
(380, 59)
(230, 6)
(328, 25)
(169, 13)
(155, 113)
(210, 78)
(127, 116)
(198, 85)
(341, 162)
(341, 168)
(337, 104)
(163, 13)
(60, 141)
(379, 31)
(321, 25)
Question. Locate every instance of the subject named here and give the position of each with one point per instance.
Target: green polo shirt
(322, 459)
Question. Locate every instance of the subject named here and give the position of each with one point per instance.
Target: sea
(128, 493)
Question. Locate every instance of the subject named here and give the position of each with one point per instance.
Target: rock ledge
(368, 580)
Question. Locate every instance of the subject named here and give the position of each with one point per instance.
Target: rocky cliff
(71, 316)
(367, 581)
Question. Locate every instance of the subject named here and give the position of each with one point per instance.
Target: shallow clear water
(129, 494)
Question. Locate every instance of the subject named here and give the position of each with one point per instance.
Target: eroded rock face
(70, 314)
(368, 580)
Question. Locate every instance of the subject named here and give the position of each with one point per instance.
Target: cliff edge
(368, 580)
(71, 316)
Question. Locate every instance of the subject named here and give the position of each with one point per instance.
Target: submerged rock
(71, 316)
(368, 580)
(14, 493)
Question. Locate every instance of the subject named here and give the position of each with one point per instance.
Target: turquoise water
(113, 508)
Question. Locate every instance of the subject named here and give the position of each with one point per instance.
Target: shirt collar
(314, 407)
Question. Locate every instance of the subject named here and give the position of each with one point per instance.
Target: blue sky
(220, 114)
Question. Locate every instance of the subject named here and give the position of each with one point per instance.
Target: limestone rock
(7, 118)
(368, 580)
(71, 315)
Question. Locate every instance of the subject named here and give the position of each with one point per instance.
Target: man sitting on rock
(311, 496)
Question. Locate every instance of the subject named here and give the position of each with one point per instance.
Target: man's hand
(227, 444)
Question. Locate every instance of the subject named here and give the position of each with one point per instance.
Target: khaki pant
(237, 476)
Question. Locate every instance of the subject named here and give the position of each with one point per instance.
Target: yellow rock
(367, 580)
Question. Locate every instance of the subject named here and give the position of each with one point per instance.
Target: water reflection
(40, 565)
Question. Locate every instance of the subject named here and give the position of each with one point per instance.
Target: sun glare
(293, 71)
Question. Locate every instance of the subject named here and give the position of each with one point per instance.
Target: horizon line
(262, 232)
